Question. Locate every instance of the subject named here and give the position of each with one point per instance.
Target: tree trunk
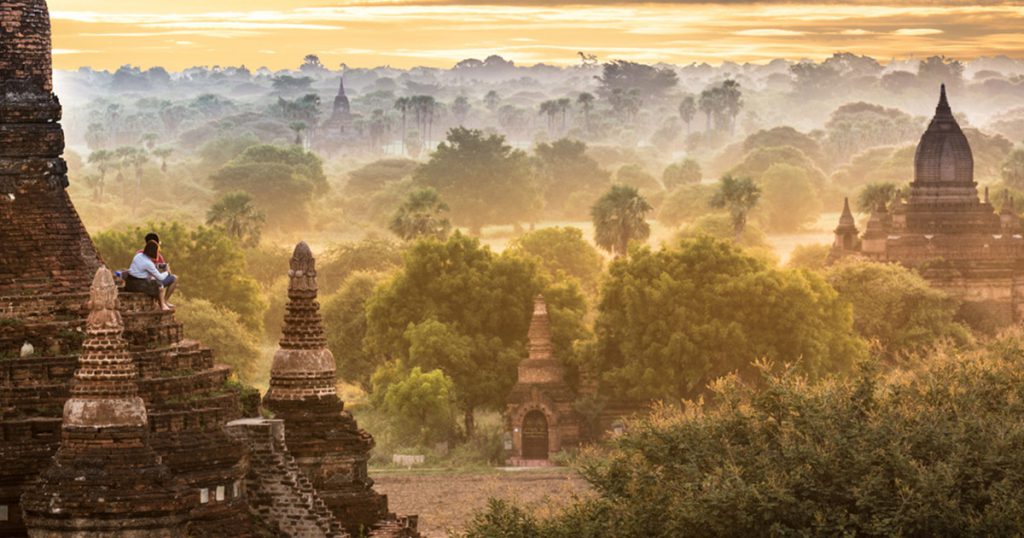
(469, 423)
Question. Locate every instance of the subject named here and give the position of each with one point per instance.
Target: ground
(446, 500)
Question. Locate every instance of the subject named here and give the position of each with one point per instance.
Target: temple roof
(943, 155)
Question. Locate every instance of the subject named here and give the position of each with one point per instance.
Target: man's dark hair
(152, 249)
(152, 237)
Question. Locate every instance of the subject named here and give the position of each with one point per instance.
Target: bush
(420, 406)
(684, 173)
(934, 450)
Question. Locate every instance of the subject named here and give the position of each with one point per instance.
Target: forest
(675, 218)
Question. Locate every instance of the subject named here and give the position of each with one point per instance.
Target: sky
(106, 34)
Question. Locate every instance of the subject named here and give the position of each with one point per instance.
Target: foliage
(812, 257)
(563, 252)
(235, 344)
(682, 173)
(421, 216)
(566, 173)
(236, 216)
(789, 200)
(282, 181)
(344, 317)
(373, 254)
(648, 81)
(372, 177)
(1013, 169)
(419, 405)
(619, 218)
(671, 321)
(209, 265)
(878, 195)
(720, 226)
(634, 175)
(855, 127)
(738, 195)
(484, 180)
(685, 203)
(877, 165)
(930, 451)
(458, 307)
(989, 152)
(267, 264)
(786, 136)
(895, 308)
(757, 161)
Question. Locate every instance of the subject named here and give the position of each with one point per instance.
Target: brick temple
(541, 407)
(944, 231)
(112, 423)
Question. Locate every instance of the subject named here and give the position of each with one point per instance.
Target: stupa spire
(943, 109)
(539, 335)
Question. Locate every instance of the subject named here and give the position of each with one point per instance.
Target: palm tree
(549, 109)
(619, 218)
(687, 111)
(103, 160)
(420, 216)
(878, 195)
(162, 154)
(460, 108)
(298, 127)
(708, 105)
(563, 106)
(586, 103)
(739, 196)
(402, 104)
(235, 214)
(424, 107)
(731, 102)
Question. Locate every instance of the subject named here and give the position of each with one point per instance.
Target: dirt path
(446, 501)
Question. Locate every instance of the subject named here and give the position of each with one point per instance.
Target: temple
(956, 241)
(111, 422)
(541, 411)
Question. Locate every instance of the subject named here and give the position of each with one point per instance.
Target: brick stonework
(323, 437)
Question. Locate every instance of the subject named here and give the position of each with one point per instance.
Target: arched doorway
(535, 436)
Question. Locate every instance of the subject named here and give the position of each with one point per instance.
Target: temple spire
(943, 109)
(846, 218)
(539, 334)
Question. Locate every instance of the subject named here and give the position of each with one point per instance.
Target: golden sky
(278, 33)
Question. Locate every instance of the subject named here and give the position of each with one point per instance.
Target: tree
(282, 181)
(895, 308)
(731, 102)
(739, 196)
(210, 265)
(492, 100)
(586, 103)
(685, 203)
(924, 451)
(344, 315)
(687, 110)
(550, 110)
(103, 160)
(646, 80)
(875, 196)
(297, 127)
(370, 255)
(483, 179)
(374, 176)
(222, 329)
(403, 105)
(673, 320)
(235, 214)
(634, 175)
(419, 404)
(424, 108)
(163, 154)
(421, 216)
(563, 252)
(458, 307)
(778, 137)
(789, 200)
(619, 218)
(812, 257)
(683, 173)
(566, 174)
(461, 108)
(708, 103)
(1012, 169)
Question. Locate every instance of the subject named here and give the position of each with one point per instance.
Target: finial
(846, 206)
(302, 269)
(943, 106)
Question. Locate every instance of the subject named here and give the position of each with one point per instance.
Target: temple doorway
(535, 436)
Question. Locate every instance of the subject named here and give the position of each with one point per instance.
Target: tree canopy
(671, 321)
(619, 217)
(563, 252)
(483, 179)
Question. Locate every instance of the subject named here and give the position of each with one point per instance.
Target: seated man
(144, 277)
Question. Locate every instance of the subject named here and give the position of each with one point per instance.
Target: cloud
(917, 31)
(769, 32)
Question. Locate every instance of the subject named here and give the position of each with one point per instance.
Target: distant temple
(111, 423)
(956, 241)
